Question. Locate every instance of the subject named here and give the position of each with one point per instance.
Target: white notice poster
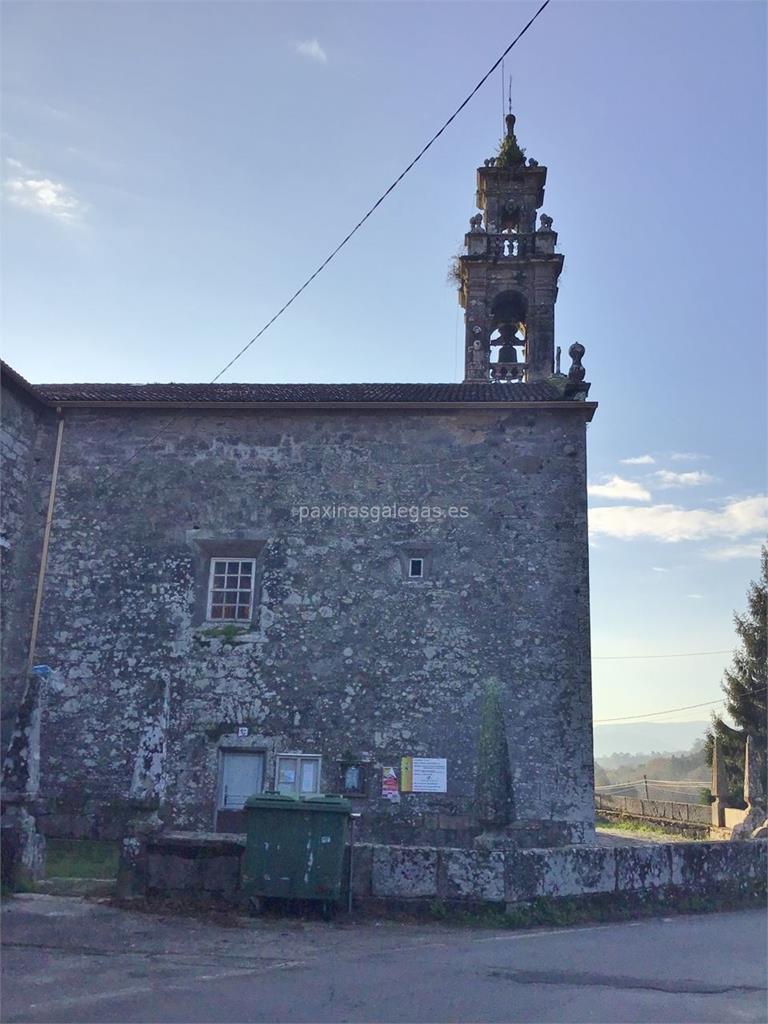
(430, 775)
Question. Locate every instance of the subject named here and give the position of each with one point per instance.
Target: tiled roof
(285, 394)
(298, 393)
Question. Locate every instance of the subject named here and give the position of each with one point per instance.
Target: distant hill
(646, 737)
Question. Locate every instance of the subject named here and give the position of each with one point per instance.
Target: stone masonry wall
(345, 657)
(518, 876)
(198, 866)
(27, 439)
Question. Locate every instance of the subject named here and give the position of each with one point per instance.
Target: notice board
(424, 775)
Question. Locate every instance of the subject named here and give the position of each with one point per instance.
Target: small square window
(415, 568)
(231, 588)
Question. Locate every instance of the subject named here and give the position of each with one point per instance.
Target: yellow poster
(406, 774)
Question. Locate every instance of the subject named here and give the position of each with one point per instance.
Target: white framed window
(415, 568)
(230, 588)
(298, 774)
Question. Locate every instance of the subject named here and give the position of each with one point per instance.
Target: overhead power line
(332, 255)
(383, 195)
(632, 657)
(670, 711)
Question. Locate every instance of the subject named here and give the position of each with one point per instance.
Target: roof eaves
(83, 403)
(14, 378)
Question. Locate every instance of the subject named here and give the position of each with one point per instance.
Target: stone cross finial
(577, 371)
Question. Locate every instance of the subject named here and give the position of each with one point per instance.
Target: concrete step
(76, 886)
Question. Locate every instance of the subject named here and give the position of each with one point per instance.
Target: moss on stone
(493, 787)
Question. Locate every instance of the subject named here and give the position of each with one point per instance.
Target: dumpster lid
(331, 803)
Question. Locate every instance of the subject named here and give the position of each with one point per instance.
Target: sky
(173, 171)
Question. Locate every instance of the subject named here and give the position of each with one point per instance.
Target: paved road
(68, 960)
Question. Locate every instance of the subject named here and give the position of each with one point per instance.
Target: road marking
(137, 990)
(542, 934)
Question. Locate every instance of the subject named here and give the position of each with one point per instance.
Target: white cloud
(658, 568)
(667, 478)
(29, 191)
(312, 50)
(687, 456)
(671, 524)
(732, 551)
(618, 488)
(696, 597)
(639, 460)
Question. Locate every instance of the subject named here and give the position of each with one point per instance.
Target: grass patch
(81, 858)
(639, 828)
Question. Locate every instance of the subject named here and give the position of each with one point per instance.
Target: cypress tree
(493, 789)
(745, 685)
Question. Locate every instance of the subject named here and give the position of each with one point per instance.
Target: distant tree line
(689, 766)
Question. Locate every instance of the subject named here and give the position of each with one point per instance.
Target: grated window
(230, 588)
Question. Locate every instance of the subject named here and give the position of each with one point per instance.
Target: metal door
(241, 776)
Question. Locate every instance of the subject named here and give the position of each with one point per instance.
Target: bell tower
(509, 272)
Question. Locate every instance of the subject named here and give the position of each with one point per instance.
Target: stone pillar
(754, 795)
(23, 847)
(754, 788)
(719, 786)
(132, 869)
(540, 338)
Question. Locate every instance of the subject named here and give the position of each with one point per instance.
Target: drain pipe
(46, 542)
(352, 818)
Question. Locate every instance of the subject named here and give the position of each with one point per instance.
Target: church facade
(310, 587)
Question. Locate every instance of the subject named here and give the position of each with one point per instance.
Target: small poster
(389, 787)
(242, 730)
(406, 774)
(425, 774)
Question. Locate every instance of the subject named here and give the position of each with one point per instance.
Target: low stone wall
(659, 810)
(185, 864)
(519, 876)
(199, 865)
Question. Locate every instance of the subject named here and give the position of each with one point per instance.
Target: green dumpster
(295, 846)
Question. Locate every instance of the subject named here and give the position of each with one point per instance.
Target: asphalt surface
(71, 960)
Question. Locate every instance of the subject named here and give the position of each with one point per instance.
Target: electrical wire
(384, 194)
(670, 711)
(349, 234)
(632, 657)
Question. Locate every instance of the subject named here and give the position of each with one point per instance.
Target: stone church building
(229, 588)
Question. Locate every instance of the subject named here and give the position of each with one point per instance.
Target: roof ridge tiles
(383, 392)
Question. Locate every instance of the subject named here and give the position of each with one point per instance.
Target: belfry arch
(509, 272)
